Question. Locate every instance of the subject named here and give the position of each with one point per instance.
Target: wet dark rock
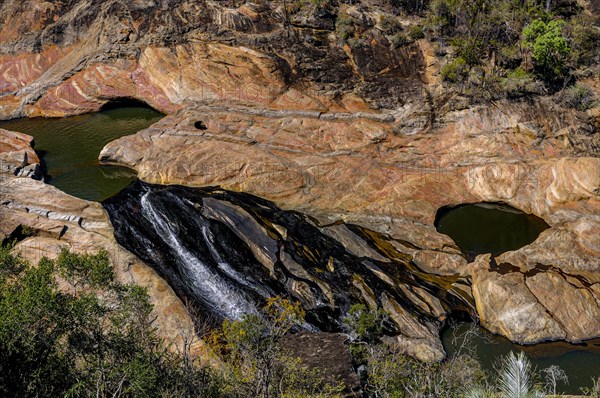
(230, 252)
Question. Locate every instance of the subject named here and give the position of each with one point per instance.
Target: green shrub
(96, 343)
(389, 25)
(345, 27)
(416, 32)
(510, 57)
(549, 48)
(455, 71)
(470, 49)
(578, 97)
(520, 83)
(441, 17)
(584, 42)
(400, 40)
(365, 323)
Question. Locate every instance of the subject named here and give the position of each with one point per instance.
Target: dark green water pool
(498, 228)
(581, 363)
(69, 148)
(489, 227)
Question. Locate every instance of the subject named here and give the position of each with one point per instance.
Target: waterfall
(213, 289)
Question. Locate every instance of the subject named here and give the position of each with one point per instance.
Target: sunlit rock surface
(55, 220)
(294, 116)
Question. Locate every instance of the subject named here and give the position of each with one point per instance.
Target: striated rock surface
(54, 220)
(355, 168)
(230, 252)
(275, 105)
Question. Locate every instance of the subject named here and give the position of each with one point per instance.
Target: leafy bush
(416, 32)
(254, 361)
(578, 97)
(389, 25)
(98, 342)
(400, 40)
(520, 83)
(584, 41)
(441, 17)
(550, 49)
(510, 57)
(391, 374)
(344, 27)
(365, 323)
(455, 71)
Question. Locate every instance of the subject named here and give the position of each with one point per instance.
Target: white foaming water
(207, 283)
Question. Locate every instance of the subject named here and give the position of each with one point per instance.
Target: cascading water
(230, 252)
(212, 289)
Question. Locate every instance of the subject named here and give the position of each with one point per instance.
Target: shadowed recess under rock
(488, 227)
(229, 252)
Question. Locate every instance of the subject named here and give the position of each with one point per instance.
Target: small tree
(252, 345)
(549, 48)
(554, 375)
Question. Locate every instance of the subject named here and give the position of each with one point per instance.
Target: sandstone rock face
(355, 168)
(17, 155)
(59, 220)
(365, 135)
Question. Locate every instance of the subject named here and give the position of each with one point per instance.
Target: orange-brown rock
(363, 133)
(356, 168)
(59, 220)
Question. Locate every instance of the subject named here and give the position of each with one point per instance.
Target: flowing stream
(216, 247)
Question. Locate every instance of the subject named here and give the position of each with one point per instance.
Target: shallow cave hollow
(199, 125)
(125, 102)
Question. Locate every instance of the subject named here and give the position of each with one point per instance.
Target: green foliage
(391, 374)
(95, 343)
(256, 364)
(89, 270)
(345, 27)
(365, 323)
(520, 83)
(10, 265)
(550, 48)
(441, 17)
(510, 57)
(578, 97)
(400, 40)
(468, 49)
(584, 39)
(389, 25)
(416, 32)
(455, 71)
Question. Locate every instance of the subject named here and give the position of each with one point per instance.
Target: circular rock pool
(488, 227)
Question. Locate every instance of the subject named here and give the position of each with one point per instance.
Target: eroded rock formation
(366, 135)
(54, 220)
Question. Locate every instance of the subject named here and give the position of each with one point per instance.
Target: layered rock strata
(270, 101)
(41, 220)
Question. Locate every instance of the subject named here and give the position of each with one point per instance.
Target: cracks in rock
(555, 319)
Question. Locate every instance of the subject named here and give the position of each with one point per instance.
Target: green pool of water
(69, 148)
(489, 227)
(497, 228)
(581, 363)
